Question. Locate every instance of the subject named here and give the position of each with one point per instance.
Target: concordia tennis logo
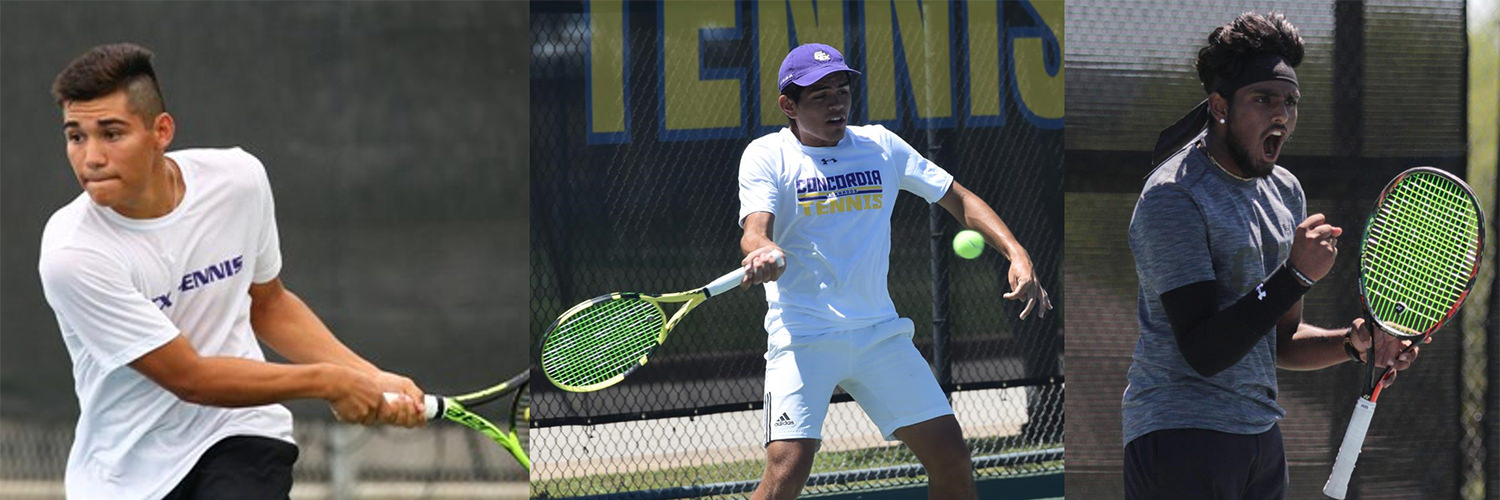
(202, 277)
(850, 192)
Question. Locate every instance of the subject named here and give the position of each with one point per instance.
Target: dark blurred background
(395, 137)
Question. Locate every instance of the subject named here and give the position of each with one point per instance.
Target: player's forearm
(286, 324)
(998, 235)
(238, 382)
(1212, 340)
(749, 242)
(974, 213)
(1312, 348)
(757, 232)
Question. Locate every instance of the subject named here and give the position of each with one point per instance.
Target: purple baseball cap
(808, 63)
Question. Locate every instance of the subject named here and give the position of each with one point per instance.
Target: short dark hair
(105, 69)
(793, 91)
(1248, 35)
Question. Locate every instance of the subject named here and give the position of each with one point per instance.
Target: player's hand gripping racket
(1420, 253)
(598, 342)
(456, 408)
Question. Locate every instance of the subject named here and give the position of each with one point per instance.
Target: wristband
(1301, 278)
(1349, 347)
(1281, 290)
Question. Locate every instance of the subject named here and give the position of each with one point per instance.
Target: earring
(1221, 120)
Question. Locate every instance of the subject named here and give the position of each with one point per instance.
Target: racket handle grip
(731, 280)
(1354, 439)
(433, 405)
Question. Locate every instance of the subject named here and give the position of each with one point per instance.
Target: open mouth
(837, 120)
(1271, 145)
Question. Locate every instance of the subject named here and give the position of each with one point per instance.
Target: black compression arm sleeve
(1212, 340)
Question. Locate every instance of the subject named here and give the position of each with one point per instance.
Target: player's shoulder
(1285, 180)
(876, 136)
(65, 224)
(71, 240)
(230, 155)
(872, 133)
(764, 152)
(1181, 171)
(232, 160)
(1169, 190)
(869, 130)
(229, 166)
(769, 142)
(229, 158)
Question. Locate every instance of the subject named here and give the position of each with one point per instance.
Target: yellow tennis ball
(968, 244)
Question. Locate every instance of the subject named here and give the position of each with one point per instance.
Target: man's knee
(951, 466)
(787, 458)
(939, 444)
(787, 466)
(953, 457)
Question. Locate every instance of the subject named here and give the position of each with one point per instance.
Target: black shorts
(1197, 463)
(240, 467)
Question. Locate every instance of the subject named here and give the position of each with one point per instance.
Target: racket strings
(520, 418)
(603, 341)
(1420, 252)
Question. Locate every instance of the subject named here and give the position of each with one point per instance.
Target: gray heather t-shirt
(1195, 222)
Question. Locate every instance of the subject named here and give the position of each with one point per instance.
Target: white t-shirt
(123, 287)
(833, 210)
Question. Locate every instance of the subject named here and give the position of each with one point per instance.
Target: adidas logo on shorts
(784, 420)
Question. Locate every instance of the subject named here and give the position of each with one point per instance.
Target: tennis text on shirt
(850, 192)
(202, 277)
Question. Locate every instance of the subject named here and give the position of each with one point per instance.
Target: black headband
(1258, 68)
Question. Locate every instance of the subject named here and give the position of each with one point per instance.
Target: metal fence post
(343, 464)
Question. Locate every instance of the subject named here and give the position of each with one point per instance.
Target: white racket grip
(1354, 439)
(433, 405)
(728, 281)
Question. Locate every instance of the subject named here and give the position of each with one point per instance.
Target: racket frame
(690, 299)
(456, 409)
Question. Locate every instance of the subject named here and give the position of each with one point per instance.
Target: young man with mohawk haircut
(163, 278)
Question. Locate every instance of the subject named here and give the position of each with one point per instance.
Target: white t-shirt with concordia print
(123, 287)
(832, 208)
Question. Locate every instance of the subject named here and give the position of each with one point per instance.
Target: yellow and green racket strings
(1419, 252)
(603, 341)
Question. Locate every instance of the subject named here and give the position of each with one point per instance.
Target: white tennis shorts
(877, 365)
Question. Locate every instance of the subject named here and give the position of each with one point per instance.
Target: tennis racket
(600, 341)
(1418, 259)
(456, 409)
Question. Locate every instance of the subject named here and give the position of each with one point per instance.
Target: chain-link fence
(1383, 87)
(640, 112)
